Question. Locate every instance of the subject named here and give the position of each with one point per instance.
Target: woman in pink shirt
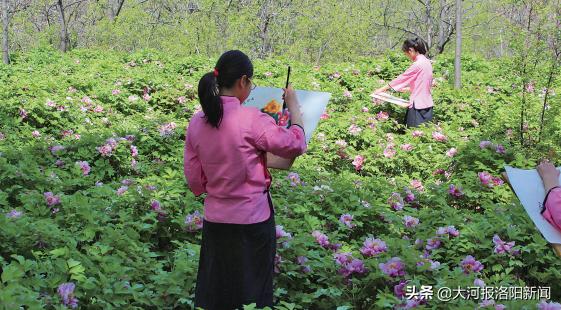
(552, 202)
(228, 148)
(417, 79)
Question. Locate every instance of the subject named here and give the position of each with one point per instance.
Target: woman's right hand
(549, 174)
(289, 97)
(293, 106)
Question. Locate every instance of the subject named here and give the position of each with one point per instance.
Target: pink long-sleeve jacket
(418, 77)
(229, 163)
(552, 210)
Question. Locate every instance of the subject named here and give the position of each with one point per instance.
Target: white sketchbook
(312, 105)
(528, 186)
(391, 99)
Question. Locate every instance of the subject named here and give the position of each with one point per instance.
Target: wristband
(546, 196)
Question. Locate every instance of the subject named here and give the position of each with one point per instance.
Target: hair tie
(215, 72)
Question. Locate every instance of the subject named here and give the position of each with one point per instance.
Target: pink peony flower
(409, 196)
(417, 133)
(181, 99)
(134, 151)
(86, 100)
(324, 115)
(501, 246)
(500, 149)
(50, 103)
(396, 201)
(294, 179)
(84, 166)
(530, 87)
(57, 148)
(438, 136)
(347, 94)
(449, 230)
(382, 116)
(354, 130)
(349, 265)
(485, 144)
(115, 92)
(280, 233)
(358, 162)
(479, 283)
(410, 221)
(36, 134)
(121, 191)
(393, 268)
(373, 247)
(418, 185)
(389, 152)
(14, 214)
(544, 305)
(399, 289)
(341, 144)
(52, 200)
(407, 147)
(455, 192)
(322, 239)
(433, 243)
(66, 293)
(365, 109)
(347, 219)
(105, 150)
(451, 152)
(155, 206)
(469, 264)
(194, 221)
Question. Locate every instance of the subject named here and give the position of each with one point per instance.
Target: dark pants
(415, 117)
(236, 265)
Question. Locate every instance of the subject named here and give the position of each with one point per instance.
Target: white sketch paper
(312, 104)
(391, 99)
(528, 186)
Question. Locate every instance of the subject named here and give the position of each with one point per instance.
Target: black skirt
(415, 117)
(236, 265)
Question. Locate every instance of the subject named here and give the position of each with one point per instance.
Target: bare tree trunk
(64, 40)
(441, 23)
(5, 28)
(265, 16)
(114, 8)
(458, 60)
(428, 21)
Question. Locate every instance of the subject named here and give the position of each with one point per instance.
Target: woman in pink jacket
(226, 151)
(552, 202)
(417, 79)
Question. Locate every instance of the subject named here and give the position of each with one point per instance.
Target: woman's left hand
(549, 174)
(380, 90)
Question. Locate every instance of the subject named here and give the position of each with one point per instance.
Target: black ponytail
(231, 66)
(417, 44)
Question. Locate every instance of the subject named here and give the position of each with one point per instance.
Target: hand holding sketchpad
(312, 105)
(528, 187)
(391, 99)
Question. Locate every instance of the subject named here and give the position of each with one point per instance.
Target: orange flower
(272, 107)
